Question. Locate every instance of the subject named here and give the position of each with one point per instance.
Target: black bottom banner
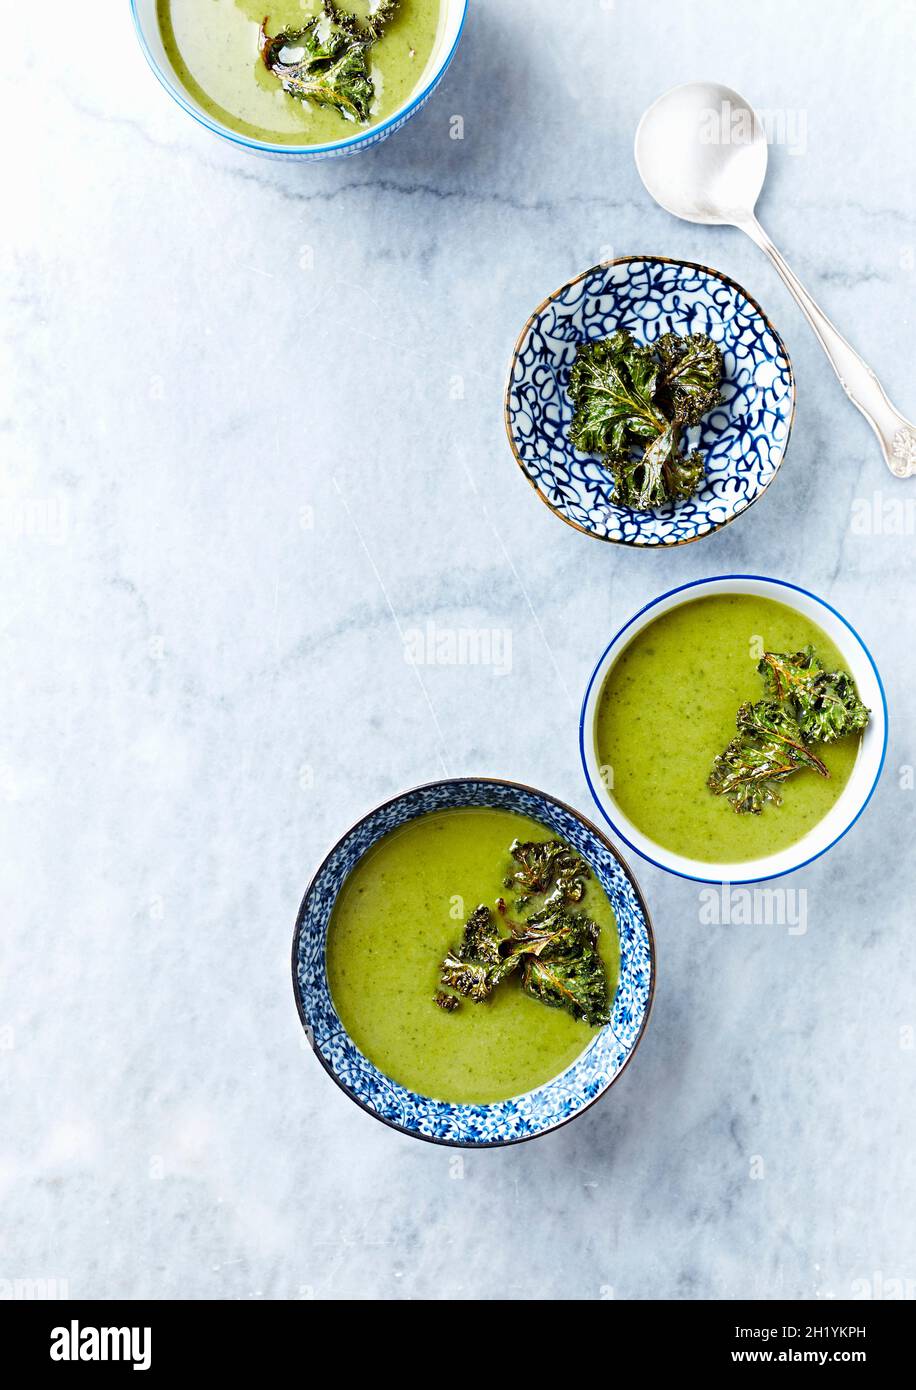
(115, 1337)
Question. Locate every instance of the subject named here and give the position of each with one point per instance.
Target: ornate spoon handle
(897, 435)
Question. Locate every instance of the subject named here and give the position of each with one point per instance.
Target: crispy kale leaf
(690, 376)
(663, 474)
(383, 12)
(469, 977)
(561, 966)
(631, 404)
(547, 864)
(469, 968)
(826, 703)
(612, 384)
(481, 937)
(327, 61)
(768, 749)
(555, 952)
(805, 704)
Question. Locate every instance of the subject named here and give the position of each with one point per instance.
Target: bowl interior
(451, 23)
(523, 1116)
(744, 440)
(855, 795)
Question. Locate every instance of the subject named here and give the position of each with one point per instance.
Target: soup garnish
(543, 863)
(825, 703)
(553, 952)
(768, 748)
(806, 705)
(327, 61)
(632, 403)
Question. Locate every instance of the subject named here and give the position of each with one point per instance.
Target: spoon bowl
(701, 151)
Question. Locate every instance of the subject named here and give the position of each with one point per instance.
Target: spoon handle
(897, 435)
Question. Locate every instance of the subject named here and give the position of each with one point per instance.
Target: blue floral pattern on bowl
(522, 1117)
(744, 440)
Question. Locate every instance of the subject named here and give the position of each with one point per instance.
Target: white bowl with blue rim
(866, 771)
(744, 439)
(524, 1116)
(451, 27)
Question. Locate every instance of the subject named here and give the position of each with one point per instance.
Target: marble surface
(252, 440)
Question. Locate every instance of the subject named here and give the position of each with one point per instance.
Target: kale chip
(327, 61)
(631, 405)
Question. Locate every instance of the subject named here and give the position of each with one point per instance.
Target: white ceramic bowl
(858, 790)
(451, 26)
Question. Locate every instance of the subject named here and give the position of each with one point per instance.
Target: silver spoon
(701, 151)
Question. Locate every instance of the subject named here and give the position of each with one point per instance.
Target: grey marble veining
(252, 427)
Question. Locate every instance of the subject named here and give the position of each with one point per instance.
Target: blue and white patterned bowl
(451, 27)
(744, 440)
(522, 1117)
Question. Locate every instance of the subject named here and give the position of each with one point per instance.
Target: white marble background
(230, 448)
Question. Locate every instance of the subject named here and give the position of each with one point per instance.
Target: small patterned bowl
(451, 27)
(744, 440)
(507, 1121)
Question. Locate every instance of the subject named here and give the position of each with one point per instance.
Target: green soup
(403, 906)
(213, 47)
(668, 707)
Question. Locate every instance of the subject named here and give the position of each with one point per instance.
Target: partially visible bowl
(521, 1117)
(744, 440)
(450, 30)
(855, 795)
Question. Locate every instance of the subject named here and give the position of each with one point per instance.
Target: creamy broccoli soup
(401, 912)
(217, 50)
(668, 708)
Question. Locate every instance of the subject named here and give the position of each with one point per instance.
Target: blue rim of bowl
(357, 1099)
(261, 146)
(661, 260)
(679, 589)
